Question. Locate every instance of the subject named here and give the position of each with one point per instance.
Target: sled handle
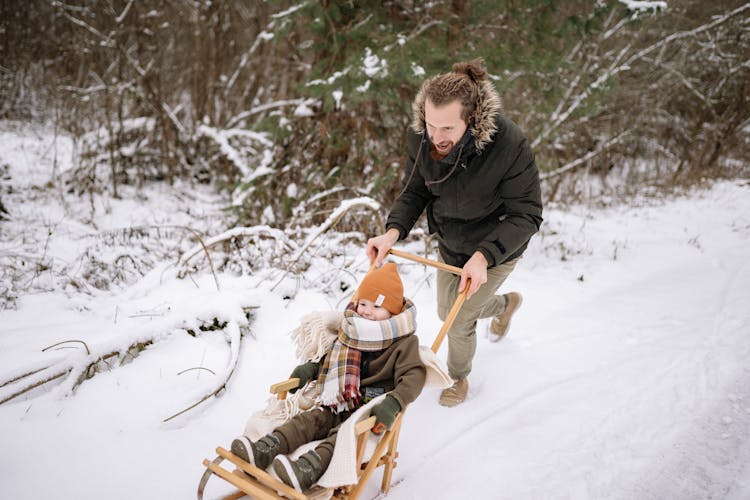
(460, 299)
(451, 317)
(422, 260)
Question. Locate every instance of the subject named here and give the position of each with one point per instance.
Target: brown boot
(455, 394)
(500, 324)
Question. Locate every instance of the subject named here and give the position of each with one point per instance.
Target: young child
(376, 352)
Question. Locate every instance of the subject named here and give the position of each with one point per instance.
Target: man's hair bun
(473, 69)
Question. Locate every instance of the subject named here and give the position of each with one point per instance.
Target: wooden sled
(260, 485)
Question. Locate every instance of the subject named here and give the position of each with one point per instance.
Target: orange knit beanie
(383, 287)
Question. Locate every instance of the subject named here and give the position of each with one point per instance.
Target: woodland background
(278, 102)
(294, 113)
(181, 181)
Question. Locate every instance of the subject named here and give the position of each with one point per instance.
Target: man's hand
(377, 248)
(476, 270)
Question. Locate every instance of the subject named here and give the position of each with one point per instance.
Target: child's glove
(305, 373)
(385, 413)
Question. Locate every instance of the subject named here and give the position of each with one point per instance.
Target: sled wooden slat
(262, 486)
(281, 388)
(391, 456)
(364, 426)
(263, 477)
(360, 430)
(257, 490)
(416, 258)
(235, 496)
(376, 456)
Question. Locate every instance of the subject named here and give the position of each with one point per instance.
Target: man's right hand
(377, 247)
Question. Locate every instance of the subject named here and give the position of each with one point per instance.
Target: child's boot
(259, 453)
(300, 474)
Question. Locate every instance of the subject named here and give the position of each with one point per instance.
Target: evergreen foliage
(284, 102)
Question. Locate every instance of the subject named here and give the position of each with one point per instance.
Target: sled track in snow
(710, 459)
(702, 456)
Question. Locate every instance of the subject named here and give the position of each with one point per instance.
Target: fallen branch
(197, 403)
(197, 368)
(88, 351)
(23, 374)
(77, 367)
(36, 382)
(235, 339)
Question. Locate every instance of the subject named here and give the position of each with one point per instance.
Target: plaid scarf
(339, 376)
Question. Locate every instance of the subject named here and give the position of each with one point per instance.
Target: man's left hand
(476, 270)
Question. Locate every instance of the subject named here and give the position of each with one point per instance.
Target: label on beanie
(379, 300)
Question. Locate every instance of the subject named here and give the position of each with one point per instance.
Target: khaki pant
(462, 335)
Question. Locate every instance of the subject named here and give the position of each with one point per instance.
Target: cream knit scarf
(339, 376)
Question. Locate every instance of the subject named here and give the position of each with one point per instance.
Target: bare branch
(67, 342)
(581, 98)
(26, 373)
(37, 382)
(208, 256)
(77, 367)
(265, 35)
(332, 220)
(683, 34)
(124, 13)
(234, 233)
(107, 40)
(580, 161)
(235, 340)
(621, 63)
(690, 87)
(265, 107)
(197, 368)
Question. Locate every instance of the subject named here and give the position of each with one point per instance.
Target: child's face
(368, 310)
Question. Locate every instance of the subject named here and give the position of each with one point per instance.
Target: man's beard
(441, 150)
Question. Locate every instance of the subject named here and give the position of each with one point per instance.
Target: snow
(330, 80)
(417, 70)
(643, 6)
(235, 156)
(373, 65)
(337, 96)
(624, 375)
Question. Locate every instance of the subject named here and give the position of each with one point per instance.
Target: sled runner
(256, 483)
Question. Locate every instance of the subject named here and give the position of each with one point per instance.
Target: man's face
(444, 125)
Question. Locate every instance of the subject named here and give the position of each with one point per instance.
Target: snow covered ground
(625, 374)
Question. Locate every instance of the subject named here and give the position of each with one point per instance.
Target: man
(473, 171)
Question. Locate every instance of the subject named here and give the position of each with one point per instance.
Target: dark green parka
(483, 196)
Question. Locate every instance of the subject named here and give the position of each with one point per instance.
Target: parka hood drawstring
(450, 172)
(464, 140)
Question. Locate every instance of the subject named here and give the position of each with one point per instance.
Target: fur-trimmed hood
(485, 122)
